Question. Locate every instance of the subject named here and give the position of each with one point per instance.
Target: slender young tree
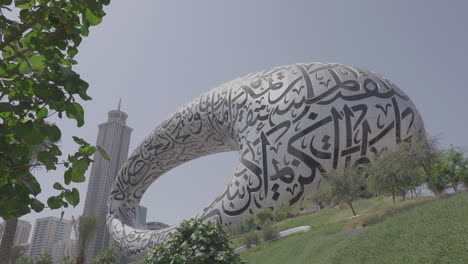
(87, 227)
(346, 184)
(456, 166)
(395, 171)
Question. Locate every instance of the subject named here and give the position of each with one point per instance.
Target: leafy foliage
(269, 232)
(345, 184)
(248, 222)
(37, 82)
(87, 227)
(195, 242)
(43, 258)
(264, 215)
(109, 256)
(395, 171)
(251, 238)
(456, 166)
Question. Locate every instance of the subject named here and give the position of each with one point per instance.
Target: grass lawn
(434, 232)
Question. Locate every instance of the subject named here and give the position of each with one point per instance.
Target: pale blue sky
(158, 55)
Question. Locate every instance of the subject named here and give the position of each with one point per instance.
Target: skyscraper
(47, 232)
(23, 229)
(114, 138)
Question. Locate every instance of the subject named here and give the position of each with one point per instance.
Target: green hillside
(436, 232)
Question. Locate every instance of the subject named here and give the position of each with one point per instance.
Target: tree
(68, 260)
(17, 252)
(429, 155)
(264, 215)
(109, 256)
(10, 225)
(38, 82)
(345, 184)
(248, 222)
(24, 260)
(195, 242)
(87, 227)
(43, 258)
(456, 166)
(395, 171)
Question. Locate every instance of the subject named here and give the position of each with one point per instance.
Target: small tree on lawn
(264, 215)
(456, 166)
(44, 258)
(109, 256)
(429, 155)
(195, 242)
(397, 171)
(345, 184)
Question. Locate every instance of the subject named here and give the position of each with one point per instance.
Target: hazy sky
(158, 55)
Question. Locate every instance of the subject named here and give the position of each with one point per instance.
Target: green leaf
(24, 67)
(42, 113)
(103, 153)
(79, 141)
(72, 51)
(54, 202)
(5, 2)
(68, 176)
(91, 18)
(104, 2)
(32, 185)
(87, 150)
(38, 62)
(6, 107)
(73, 197)
(52, 132)
(79, 168)
(37, 205)
(75, 111)
(23, 129)
(58, 186)
(47, 159)
(23, 4)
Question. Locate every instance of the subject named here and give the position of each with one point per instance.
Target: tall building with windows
(114, 138)
(23, 229)
(47, 232)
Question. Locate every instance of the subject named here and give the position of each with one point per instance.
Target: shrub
(281, 212)
(269, 232)
(195, 242)
(251, 238)
(248, 223)
(263, 216)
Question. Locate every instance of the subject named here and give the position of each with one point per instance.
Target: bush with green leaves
(264, 215)
(195, 242)
(248, 222)
(269, 232)
(251, 238)
(38, 43)
(108, 256)
(281, 212)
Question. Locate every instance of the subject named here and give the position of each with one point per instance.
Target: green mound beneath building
(431, 231)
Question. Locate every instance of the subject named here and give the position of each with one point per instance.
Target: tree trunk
(352, 208)
(80, 259)
(454, 186)
(393, 196)
(8, 237)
